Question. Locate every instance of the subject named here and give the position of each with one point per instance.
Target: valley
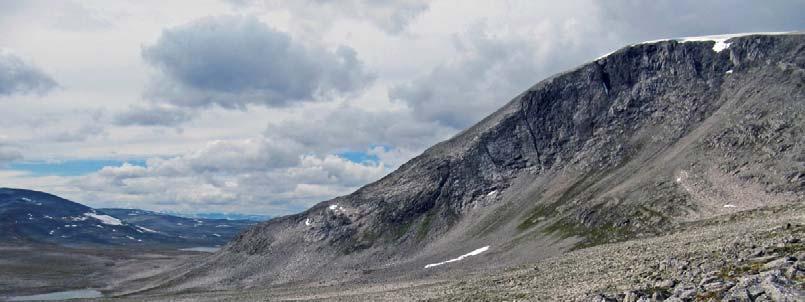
(31, 269)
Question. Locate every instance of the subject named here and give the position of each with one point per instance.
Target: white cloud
(257, 174)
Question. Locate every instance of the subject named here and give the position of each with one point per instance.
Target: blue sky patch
(69, 167)
(358, 156)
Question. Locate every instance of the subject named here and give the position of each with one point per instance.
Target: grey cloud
(79, 134)
(9, 154)
(233, 61)
(152, 116)
(488, 72)
(20, 77)
(353, 128)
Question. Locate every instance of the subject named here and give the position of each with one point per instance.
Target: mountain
(201, 232)
(36, 217)
(635, 144)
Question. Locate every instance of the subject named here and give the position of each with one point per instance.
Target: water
(202, 249)
(65, 295)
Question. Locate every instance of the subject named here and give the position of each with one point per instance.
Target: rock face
(628, 146)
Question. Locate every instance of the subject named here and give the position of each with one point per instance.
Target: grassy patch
(424, 227)
(593, 236)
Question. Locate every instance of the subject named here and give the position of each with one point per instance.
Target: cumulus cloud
(154, 115)
(233, 61)
(255, 173)
(20, 77)
(392, 16)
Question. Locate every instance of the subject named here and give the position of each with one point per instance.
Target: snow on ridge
(105, 219)
(307, 222)
(719, 39)
(459, 258)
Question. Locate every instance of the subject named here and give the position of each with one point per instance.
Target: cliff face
(630, 145)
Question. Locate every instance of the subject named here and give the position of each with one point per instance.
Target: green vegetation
(424, 227)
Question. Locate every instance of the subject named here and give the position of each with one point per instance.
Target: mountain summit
(634, 144)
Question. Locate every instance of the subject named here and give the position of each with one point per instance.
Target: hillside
(35, 217)
(633, 145)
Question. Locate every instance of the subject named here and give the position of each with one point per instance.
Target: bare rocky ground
(755, 255)
(42, 268)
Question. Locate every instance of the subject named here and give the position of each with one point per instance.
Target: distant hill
(36, 217)
(230, 216)
(200, 230)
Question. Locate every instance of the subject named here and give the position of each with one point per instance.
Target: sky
(268, 107)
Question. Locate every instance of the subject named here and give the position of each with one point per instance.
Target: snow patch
(721, 41)
(492, 193)
(222, 226)
(729, 71)
(146, 229)
(335, 208)
(105, 219)
(51, 232)
(216, 235)
(459, 258)
(730, 206)
(307, 222)
(26, 199)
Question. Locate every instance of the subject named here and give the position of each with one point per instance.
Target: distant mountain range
(227, 216)
(35, 217)
(199, 230)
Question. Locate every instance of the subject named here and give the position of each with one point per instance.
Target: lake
(65, 295)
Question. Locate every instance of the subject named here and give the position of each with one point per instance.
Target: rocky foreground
(756, 256)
